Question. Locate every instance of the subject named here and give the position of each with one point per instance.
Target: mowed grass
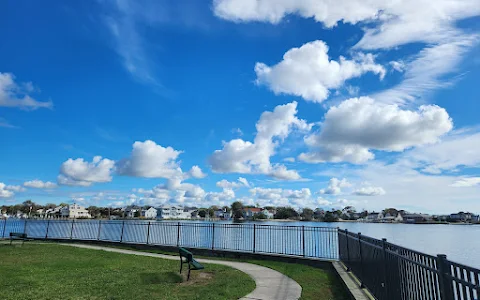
(52, 271)
(316, 283)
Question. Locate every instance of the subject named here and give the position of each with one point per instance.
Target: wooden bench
(192, 263)
(18, 236)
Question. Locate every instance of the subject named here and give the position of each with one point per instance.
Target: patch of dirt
(196, 278)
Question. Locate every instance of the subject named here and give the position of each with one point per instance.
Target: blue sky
(276, 103)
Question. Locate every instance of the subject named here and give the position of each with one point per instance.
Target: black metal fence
(303, 241)
(392, 272)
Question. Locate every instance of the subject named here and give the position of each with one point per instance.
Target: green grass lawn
(52, 271)
(316, 283)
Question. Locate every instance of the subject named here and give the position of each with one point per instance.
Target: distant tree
(50, 205)
(307, 214)
(63, 204)
(202, 213)
(136, 214)
(286, 213)
(237, 210)
(330, 217)
(211, 212)
(227, 209)
(259, 216)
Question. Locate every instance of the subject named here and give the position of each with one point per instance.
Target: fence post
(361, 259)
(254, 237)
(4, 227)
(99, 229)
(348, 250)
(444, 282)
(178, 234)
(25, 227)
(213, 235)
(48, 226)
(121, 234)
(384, 261)
(148, 232)
(71, 230)
(303, 239)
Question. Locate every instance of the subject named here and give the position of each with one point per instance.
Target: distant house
(461, 217)
(390, 217)
(249, 212)
(222, 213)
(131, 212)
(75, 211)
(416, 218)
(150, 213)
(475, 218)
(173, 212)
(372, 217)
(269, 213)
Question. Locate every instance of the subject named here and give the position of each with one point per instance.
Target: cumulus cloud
(369, 191)
(456, 150)
(151, 161)
(241, 182)
(391, 23)
(38, 184)
(4, 192)
(357, 125)
(15, 188)
(309, 73)
(467, 182)
(239, 156)
(77, 172)
(335, 186)
(14, 94)
(196, 172)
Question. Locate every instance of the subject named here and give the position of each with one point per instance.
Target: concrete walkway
(270, 284)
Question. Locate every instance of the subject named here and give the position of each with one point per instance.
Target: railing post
(4, 227)
(46, 231)
(213, 235)
(303, 240)
(99, 229)
(178, 234)
(254, 238)
(444, 282)
(384, 262)
(348, 251)
(71, 230)
(121, 234)
(25, 227)
(148, 232)
(361, 258)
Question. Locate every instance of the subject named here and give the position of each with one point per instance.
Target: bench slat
(196, 265)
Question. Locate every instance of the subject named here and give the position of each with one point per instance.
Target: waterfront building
(173, 212)
(74, 211)
(150, 213)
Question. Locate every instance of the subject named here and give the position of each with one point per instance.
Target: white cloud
(4, 123)
(4, 192)
(196, 172)
(309, 73)
(239, 156)
(15, 188)
(391, 23)
(369, 191)
(398, 66)
(38, 184)
(466, 182)
(237, 131)
(242, 182)
(13, 94)
(357, 125)
(427, 70)
(289, 159)
(335, 186)
(151, 161)
(77, 172)
(460, 149)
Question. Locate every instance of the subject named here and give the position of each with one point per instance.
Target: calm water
(461, 243)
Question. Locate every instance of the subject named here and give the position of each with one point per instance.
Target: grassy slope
(59, 272)
(317, 284)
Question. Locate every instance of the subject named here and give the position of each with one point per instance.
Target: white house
(389, 218)
(268, 213)
(371, 217)
(74, 211)
(150, 213)
(172, 212)
(130, 212)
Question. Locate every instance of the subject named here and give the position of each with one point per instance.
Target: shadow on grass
(162, 277)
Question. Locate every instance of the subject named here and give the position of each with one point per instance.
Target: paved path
(270, 284)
